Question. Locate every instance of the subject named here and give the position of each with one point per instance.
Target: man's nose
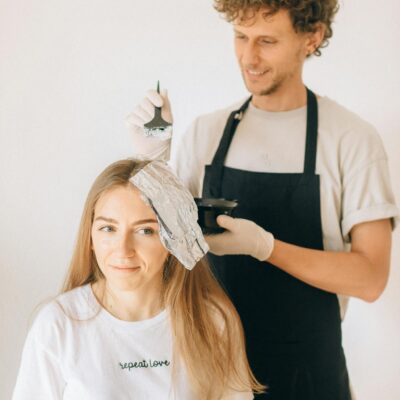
(250, 55)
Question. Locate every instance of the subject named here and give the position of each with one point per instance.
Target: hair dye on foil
(176, 212)
(159, 133)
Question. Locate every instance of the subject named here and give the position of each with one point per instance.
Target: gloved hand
(144, 147)
(242, 237)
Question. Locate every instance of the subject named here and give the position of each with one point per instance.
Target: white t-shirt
(77, 350)
(351, 161)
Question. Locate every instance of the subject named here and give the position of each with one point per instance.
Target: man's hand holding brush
(151, 126)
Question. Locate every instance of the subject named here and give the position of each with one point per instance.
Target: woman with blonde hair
(140, 315)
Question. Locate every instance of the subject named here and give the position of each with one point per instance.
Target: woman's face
(125, 240)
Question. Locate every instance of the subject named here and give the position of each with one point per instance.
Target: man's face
(270, 52)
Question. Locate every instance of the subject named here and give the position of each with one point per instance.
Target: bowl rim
(209, 202)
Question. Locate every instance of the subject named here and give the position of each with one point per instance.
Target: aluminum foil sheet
(176, 212)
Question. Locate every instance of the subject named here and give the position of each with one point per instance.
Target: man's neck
(283, 99)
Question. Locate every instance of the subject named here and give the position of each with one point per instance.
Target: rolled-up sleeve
(367, 193)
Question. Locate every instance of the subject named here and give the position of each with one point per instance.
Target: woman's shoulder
(76, 304)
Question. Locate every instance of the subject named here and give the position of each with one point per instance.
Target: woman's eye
(146, 231)
(107, 228)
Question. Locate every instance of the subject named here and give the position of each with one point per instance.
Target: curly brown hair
(306, 15)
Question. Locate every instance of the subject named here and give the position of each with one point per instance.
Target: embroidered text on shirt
(144, 364)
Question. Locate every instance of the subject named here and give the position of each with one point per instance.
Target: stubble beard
(275, 85)
(276, 82)
(272, 88)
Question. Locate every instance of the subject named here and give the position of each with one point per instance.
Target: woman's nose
(125, 245)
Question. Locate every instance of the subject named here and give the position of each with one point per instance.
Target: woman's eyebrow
(145, 221)
(139, 222)
(111, 220)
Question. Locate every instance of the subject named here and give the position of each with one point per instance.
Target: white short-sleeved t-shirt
(77, 350)
(351, 161)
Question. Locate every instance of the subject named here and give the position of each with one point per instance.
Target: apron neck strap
(230, 128)
(312, 134)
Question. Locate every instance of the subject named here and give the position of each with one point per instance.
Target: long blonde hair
(207, 332)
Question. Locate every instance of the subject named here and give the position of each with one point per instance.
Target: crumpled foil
(176, 212)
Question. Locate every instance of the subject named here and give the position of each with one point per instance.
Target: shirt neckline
(119, 324)
(281, 115)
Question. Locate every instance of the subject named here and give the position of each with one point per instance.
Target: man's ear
(314, 39)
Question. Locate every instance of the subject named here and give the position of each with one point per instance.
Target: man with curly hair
(316, 209)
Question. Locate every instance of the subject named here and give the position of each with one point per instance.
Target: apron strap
(312, 134)
(219, 158)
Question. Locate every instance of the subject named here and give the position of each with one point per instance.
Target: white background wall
(71, 70)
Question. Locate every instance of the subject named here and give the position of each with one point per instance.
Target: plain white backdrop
(70, 71)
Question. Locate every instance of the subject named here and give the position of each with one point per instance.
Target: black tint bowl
(209, 209)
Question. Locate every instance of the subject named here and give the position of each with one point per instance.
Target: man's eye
(107, 228)
(267, 42)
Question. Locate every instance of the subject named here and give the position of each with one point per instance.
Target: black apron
(293, 330)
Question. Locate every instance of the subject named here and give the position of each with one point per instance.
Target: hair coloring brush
(158, 127)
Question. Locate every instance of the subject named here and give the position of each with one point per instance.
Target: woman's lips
(124, 268)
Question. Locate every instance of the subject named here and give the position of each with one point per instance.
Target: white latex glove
(241, 237)
(144, 147)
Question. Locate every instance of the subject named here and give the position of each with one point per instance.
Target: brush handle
(157, 123)
(157, 112)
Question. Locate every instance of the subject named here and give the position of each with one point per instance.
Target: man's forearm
(352, 273)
